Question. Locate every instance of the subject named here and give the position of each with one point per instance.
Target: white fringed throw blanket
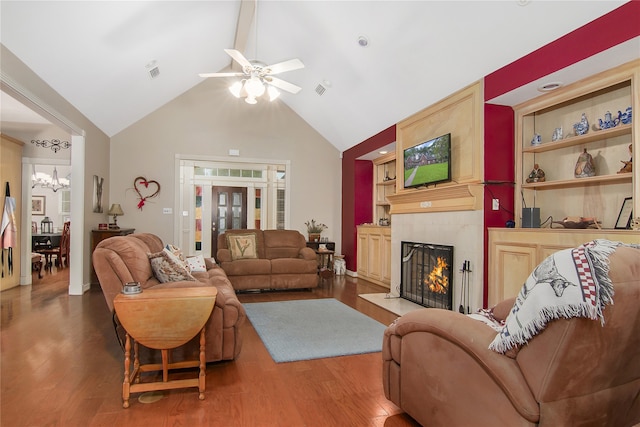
(570, 283)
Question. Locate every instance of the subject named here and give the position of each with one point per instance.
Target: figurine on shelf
(582, 127)
(537, 139)
(628, 166)
(585, 166)
(557, 134)
(609, 121)
(625, 118)
(536, 175)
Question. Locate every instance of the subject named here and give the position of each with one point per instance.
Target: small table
(325, 269)
(325, 251)
(163, 319)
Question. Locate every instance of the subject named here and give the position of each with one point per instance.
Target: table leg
(127, 361)
(203, 365)
(136, 361)
(165, 365)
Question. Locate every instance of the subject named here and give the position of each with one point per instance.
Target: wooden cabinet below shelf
(374, 254)
(98, 236)
(515, 252)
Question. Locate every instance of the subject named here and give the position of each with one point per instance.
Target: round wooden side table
(163, 319)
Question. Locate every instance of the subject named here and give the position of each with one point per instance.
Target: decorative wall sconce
(54, 144)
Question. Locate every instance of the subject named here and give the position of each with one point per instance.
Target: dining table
(41, 241)
(45, 240)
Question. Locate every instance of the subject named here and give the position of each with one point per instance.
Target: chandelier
(45, 180)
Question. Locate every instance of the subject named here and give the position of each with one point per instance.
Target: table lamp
(115, 210)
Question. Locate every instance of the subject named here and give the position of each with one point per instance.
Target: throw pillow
(196, 263)
(167, 269)
(176, 251)
(242, 246)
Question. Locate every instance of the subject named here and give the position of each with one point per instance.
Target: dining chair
(62, 251)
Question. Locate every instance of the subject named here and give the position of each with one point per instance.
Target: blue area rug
(312, 329)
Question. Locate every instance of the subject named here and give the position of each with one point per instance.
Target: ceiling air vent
(320, 89)
(154, 72)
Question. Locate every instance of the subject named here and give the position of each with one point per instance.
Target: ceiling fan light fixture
(254, 87)
(250, 100)
(273, 93)
(236, 88)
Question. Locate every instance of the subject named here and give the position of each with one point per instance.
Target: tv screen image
(428, 162)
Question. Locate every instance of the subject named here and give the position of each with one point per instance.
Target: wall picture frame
(626, 212)
(38, 205)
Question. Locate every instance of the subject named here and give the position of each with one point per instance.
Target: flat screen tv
(428, 162)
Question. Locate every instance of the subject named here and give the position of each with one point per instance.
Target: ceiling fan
(258, 77)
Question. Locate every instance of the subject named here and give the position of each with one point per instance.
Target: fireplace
(426, 274)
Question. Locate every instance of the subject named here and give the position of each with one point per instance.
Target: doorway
(218, 194)
(228, 211)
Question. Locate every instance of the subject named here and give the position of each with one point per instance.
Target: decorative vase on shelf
(537, 139)
(585, 166)
(625, 118)
(609, 121)
(582, 127)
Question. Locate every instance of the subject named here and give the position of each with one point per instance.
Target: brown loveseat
(437, 366)
(282, 261)
(122, 259)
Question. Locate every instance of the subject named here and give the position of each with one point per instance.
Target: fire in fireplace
(426, 274)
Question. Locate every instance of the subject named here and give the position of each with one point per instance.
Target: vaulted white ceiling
(96, 53)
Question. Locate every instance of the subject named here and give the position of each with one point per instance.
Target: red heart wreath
(142, 181)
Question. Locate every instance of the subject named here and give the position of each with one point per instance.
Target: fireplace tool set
(464, 289)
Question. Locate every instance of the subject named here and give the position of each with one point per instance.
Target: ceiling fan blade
(281, 84)
(220, 74)
(239, 58)
(281, 67)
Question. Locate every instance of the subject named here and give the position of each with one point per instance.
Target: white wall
(208, 121)
(462, 230)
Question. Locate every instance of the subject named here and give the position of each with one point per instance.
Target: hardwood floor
(61, 365)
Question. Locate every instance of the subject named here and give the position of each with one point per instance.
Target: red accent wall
(499, 161)
(609, 30)
(363, 210)
(357, 197)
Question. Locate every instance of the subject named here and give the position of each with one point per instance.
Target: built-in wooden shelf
(592, 136)
(579, 182)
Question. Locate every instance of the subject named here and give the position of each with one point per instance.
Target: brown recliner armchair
(437, 366)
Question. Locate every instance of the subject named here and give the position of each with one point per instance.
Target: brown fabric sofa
(122, 259)
(437, 366)
(283, 261)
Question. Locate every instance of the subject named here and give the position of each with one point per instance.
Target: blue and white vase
(582, 127)
(609, 121)
(536, 140)
(625, 118)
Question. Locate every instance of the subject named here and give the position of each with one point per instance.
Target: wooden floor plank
(61, 365)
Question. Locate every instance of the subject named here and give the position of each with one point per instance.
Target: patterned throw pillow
(242, 246)
(177, 252)
(168, 268)
(196, 263)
